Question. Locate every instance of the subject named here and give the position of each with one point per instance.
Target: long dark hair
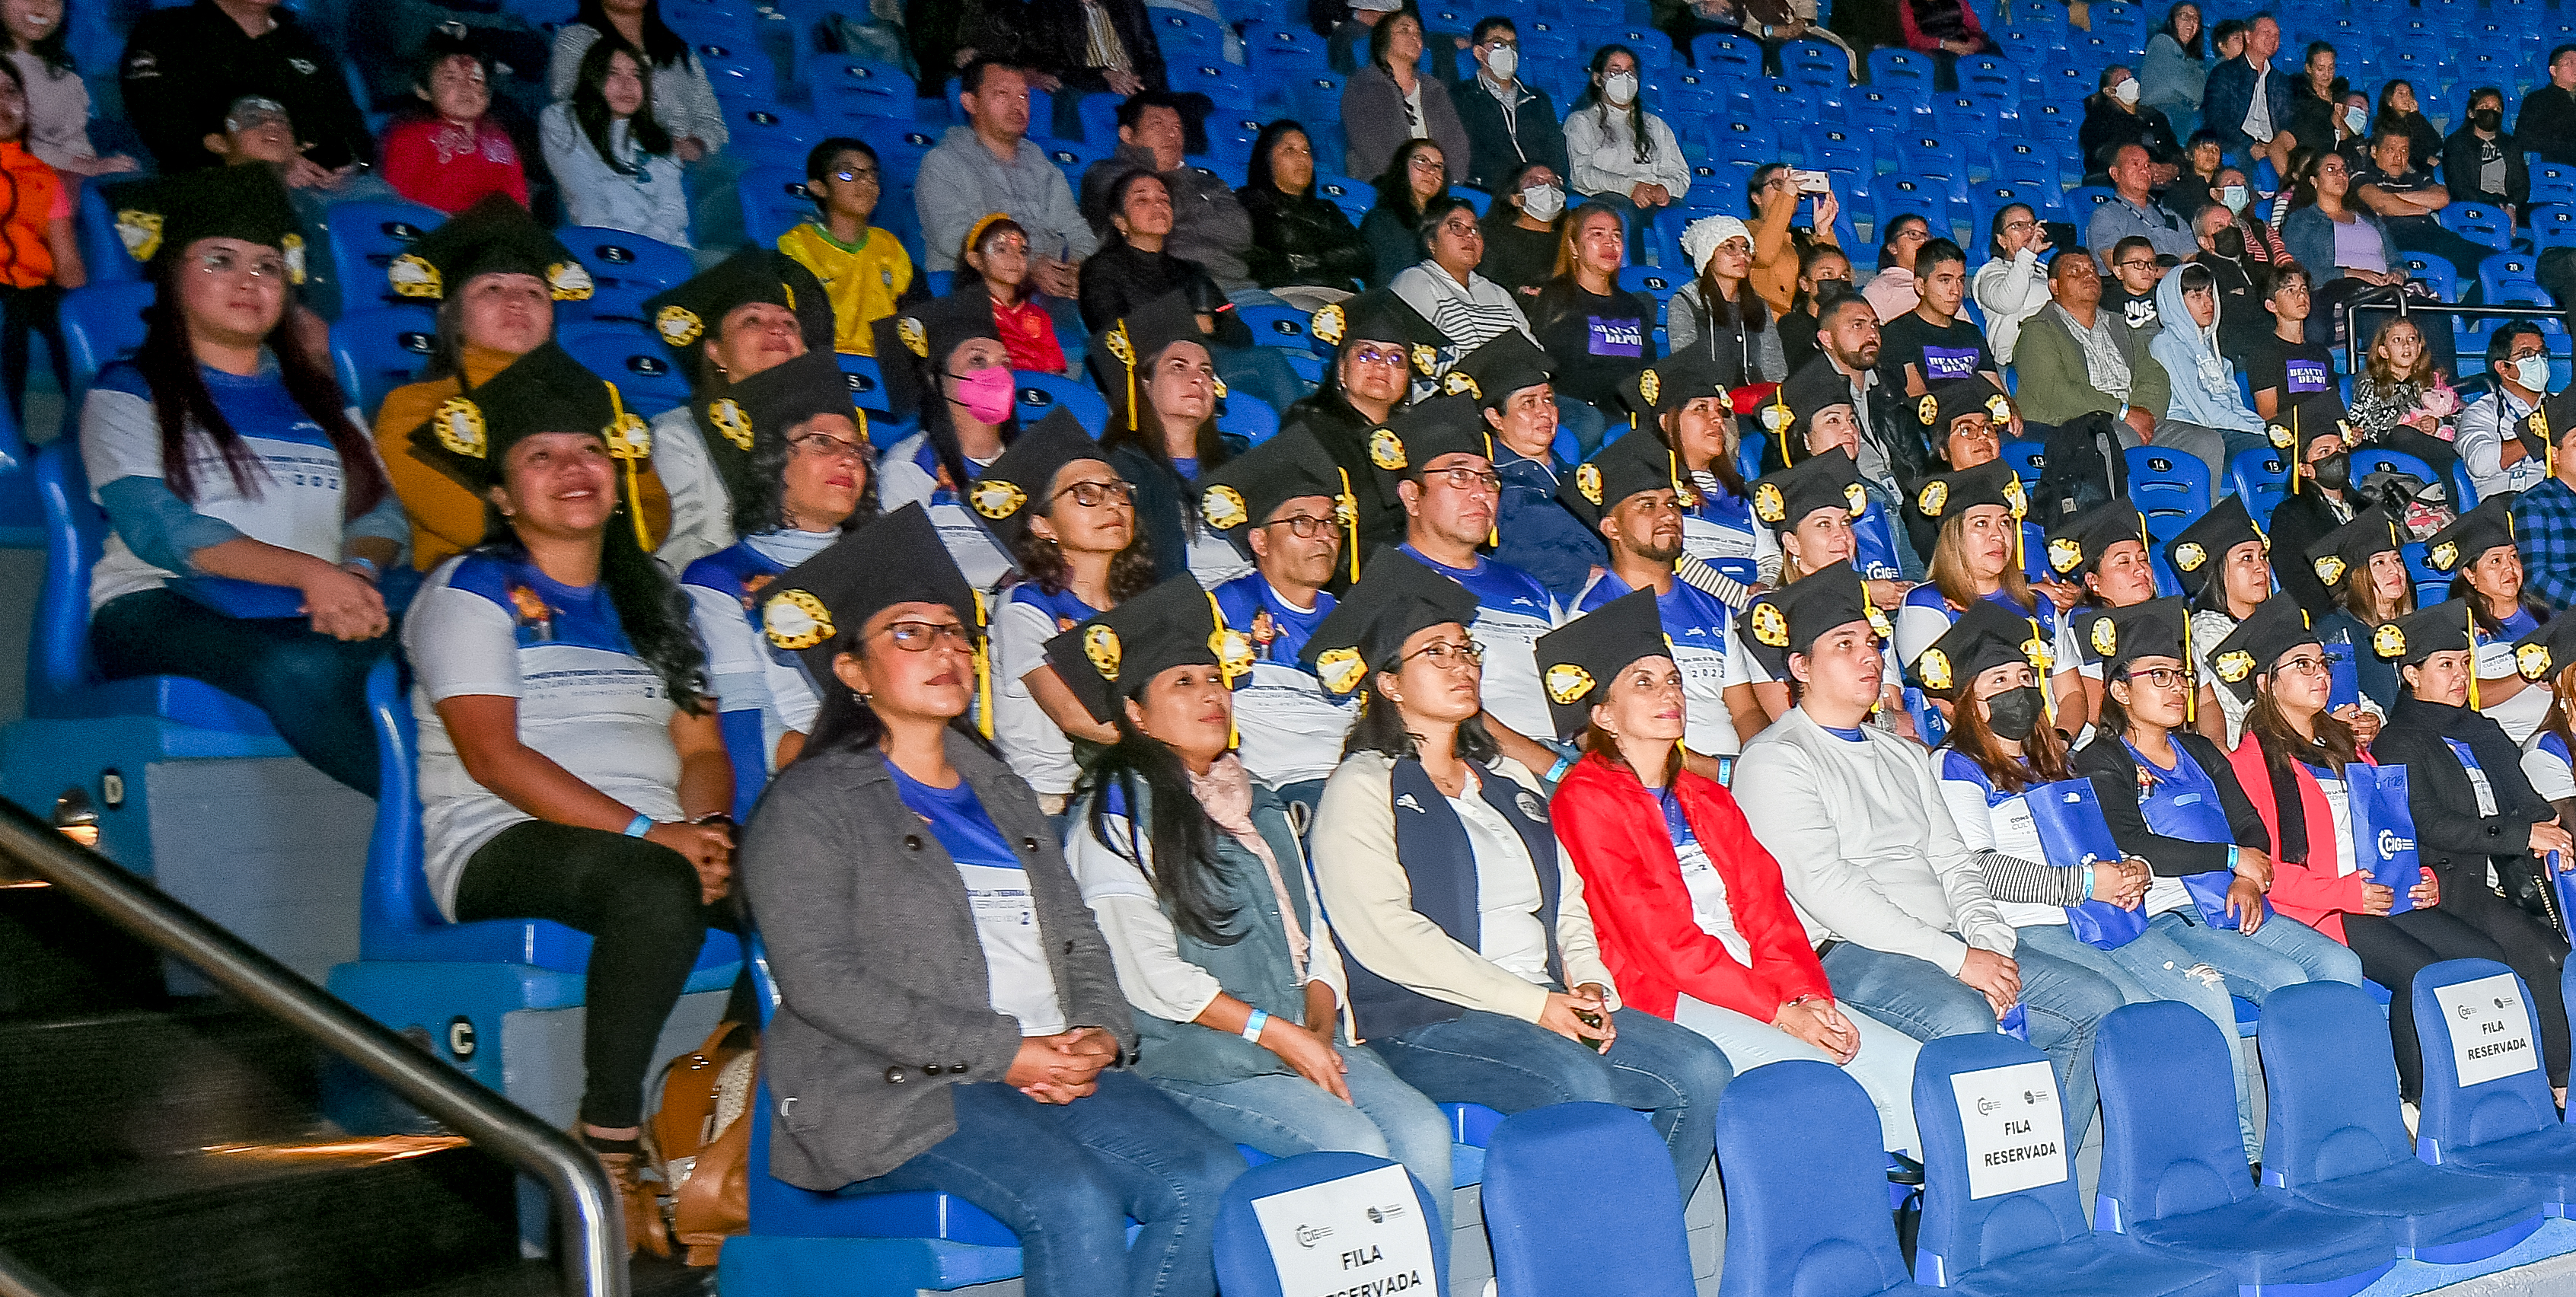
(1257, 176)
(591, 112)
(2043, 754)
(1641, 145)
(1042, 561)
(939, 426)
(2196, 46)
(1382, 39)
(662, 45)
(54, 49)
(1183, 869)
(2336, 745)
(847, 724)
(1394, 185)
(650, 606)
(1808, 260)
(1148, 434)
(2487, 622)
(180, 402)
(762, 504)
(1380, 729)
(1561, 292)
(1746, 306)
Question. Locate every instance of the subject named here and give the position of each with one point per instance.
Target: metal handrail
(17, 1281)
(2391, 298)
(593, 1262)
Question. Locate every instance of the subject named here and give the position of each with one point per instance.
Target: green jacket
(2054, 385)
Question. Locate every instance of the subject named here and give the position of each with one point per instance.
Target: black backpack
(2081, 465)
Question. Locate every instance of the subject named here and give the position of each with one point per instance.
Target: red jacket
(1641, 913)
(2313, 893)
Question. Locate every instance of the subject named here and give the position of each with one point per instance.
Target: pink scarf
(1225, 792)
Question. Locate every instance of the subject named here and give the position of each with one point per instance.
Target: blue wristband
(639, 826)
(2231, 858)
(1252, 1026)
(2088, 882)
(1557, 771)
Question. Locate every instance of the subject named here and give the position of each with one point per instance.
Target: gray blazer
(1374, 125)
(885, 1000)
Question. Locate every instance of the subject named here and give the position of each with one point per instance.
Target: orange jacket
(2314, 893)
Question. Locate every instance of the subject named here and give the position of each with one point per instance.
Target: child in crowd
(611, 158)
(453, 155)
(997, 250)
(39, 257)
(39, 43)
(864, 270)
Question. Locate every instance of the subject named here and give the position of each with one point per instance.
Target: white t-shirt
(1037, 750)
(1708, 902)
(2339, 804)
(484, 626)
(746, 671)
(908, 473)
(1292, 730)
(1507, 896)
(2545, 763)
(1512, 611)
(1988, 822)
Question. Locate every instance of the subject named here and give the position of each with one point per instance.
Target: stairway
(153, 1145)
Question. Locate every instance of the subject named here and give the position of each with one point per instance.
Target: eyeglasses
(1092, 495)
(923, 636)
(2163, 677)
(1425, 162)
(227, 263)
(856, 175)
(1465, 479)
(2134, 264)
(823, 445)
(1305, 526)
(1447, 655)
(2302, 666)
(1380, 355)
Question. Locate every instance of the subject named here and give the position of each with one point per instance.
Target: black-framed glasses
(1448, 655)
(1305, 526)
(1092, 495)
(923, 636)
(1466, 479)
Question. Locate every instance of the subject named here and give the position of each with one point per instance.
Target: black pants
(2532, 949)
(2393, 949)
(25, 310)
(639, 902)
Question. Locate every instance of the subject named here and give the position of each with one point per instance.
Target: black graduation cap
(2119, 636)
(2460, 545)
(2424, 632)
(755, 414)
(1250, 487)
(1789, 619)
(686, 316)
(1018, 483)
(493, 237)
(1617, 471)
(1113, 656)
(2197, 552)
(1986, 636)
(1809, 392)
(896, 559)
(1957, 399)
(1673, 382)
(2076, 545)
(1137, 339)
(1576, 659)
(166, 214)
(1394, 597)
(2547, 648)
(2318, 414)
(1947, 495)
(2351, 546)
(1827, 481)
(1443, 425)
(2547, 422)
(469, 436)
(1507, 363)
(914, 344)
(1378, 315)
(2277, 626)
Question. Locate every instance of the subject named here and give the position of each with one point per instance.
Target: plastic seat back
(2169, 1140)
(768, 135)
(2029, 460)
(366, 236)
(2170, 488)
(1040, 391)
(2332, 1076)
(1806, 1186)
(2260, 477)
(2437, 273)
(1248, 418)
(626, 268)
(841, 83)
(103, 253)
(1890, 63)
(2371, 459)
(102, 324)
(1567, 1162)
(1377, 1239)
(774, 201)
(2081, 201)
(2482, 1075)
(635, 360)
(2478, 223)
(2013, 1190)
(376, 351)
(2508, 273)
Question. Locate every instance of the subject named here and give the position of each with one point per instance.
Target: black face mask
(2489, 120)
(2334, 472)
(2230, 243)
(2013, 714)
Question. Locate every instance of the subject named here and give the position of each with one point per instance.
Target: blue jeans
(1286, 1114)
(1668, 1071)
(1066, 1178)
(2062, 1003)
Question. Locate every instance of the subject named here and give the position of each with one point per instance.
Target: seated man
(2283, 368)
(1509, 379)
(1876, 869)
(257, 130)
(2499, 459)
(2077, 356)
(1208, 225)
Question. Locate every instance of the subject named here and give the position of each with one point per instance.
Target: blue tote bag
(2072, 832)
(2383, 829)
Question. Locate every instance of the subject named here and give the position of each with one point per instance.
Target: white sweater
(1604, 157)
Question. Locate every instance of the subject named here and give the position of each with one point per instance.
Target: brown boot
(644, 1224)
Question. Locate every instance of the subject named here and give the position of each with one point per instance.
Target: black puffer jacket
(1302, 241)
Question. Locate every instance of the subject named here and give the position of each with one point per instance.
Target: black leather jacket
(1302, 241)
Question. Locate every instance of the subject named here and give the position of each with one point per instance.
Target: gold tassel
(2047, 699)
(2298, 453)
(634, 483)
(1494, 529)
(1351, 504)
(983, 672)
(2191, 692)
(1233, 732)
(2473, 661)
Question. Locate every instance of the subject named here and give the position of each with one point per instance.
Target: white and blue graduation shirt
(1925, 616)
(1292, 729)
(748, 673)
(1702, 632)
(2546, 763)
(1037, 750)
(483, 624)
(1020, 982)
(1512, 610)
(908, 473)
(1720, 530)
(1990, 819)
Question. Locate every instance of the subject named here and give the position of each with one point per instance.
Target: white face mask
(1542, 202)
(2532, 372)
(2353, 119)
(2234, 196)
(2127, 91)
(1502, 62)
(1620, 88)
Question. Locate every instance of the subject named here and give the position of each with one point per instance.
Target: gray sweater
(961, 182)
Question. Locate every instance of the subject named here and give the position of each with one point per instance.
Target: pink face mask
(987, 393)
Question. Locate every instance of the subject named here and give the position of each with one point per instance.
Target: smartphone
(1812, 182)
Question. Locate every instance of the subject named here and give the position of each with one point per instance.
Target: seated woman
(570, 767)
(1474, 971)
(945, 366)
(1162, 437)
(612, 161)
(737, 318)
(2486, 572)
(1719, 315)
(1416, 175)
(1975, 557)
(1598, 333)
(1689, 909)
(1823, 271)
(2224, 564)
(493, 275)
(1303, 246)
(1534, 531)
(997, 250)
(1069, 520)
(1380, 347)
(1523, 228)
(2366, 576)
(2173, 801)
(1620, 153)
(1200, 885)
(2104, 551)
(949, 1017)
(1693, 414)
(804, 485)
(1132, 268)
(2475, 815)
(249, 520)
(2291, 765)
(1443, 286)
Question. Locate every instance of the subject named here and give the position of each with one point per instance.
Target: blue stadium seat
(2080, 203)
(774, 201)
(740, 74)
(103, 254)
(625, 268)
(1248, 419)
(2259, 477)
(1548, 1166)
(1889, 64)
(1475, 198)
(2032, 163)
(2552, 182)
(2335, 1142)
(1245, 1266)
(101, 323)
(1038, 391)
(770, 136)
(1815, 57)
(2508, 273)
(1736, 140)
(634, 359)
(2170, 488)
(365, 238)
(1277, 326)
(2028, 458)
(1896, 193)
(1928, 155)
(376, 351)
(2504, 1122)
(2173, 1166)
(2015, 1225)
(859, 87)
(1726, 50)
(1968, 119)
(2437, 273)
(1209, 74)
(1806, 1190)
(1657, 282)
(1187, 37)
(2478, 223)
